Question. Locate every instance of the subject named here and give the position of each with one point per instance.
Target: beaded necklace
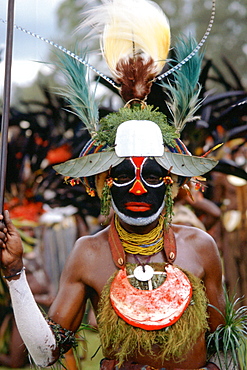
(144, 244)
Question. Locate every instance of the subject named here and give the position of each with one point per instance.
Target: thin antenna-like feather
(78, 93)
(184, 92)
(195, 50)
(65, 51)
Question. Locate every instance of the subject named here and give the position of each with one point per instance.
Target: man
(149, 281)
(138, 186)
(91, 265)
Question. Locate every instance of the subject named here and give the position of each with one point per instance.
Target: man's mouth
(138, 206)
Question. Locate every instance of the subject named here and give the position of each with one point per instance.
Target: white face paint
(138, 176)
(139, 221)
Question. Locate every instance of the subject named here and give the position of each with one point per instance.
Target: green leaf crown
(109, 124)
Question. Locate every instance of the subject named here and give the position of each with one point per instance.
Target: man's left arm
(213, 283)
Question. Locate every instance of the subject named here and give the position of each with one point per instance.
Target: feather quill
(77, 92)
(185, 90)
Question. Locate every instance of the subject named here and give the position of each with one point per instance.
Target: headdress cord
(66, 51)
(198, 47)
(6, 101)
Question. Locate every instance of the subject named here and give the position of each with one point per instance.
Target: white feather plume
(131, 27)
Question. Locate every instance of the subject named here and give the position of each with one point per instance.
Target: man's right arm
(33, 327)
(69, 305)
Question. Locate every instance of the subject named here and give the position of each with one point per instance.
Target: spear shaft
(6, 101)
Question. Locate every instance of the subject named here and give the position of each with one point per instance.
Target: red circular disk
(151, 309)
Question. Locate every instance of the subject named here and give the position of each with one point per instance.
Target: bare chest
(104, 267)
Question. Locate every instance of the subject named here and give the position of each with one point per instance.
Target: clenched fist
(11, 250)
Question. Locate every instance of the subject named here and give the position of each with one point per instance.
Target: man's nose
(138, 188)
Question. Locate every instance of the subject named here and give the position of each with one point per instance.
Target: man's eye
(122, 179)
(153, 179)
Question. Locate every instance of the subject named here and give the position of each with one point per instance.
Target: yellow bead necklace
(144, 244)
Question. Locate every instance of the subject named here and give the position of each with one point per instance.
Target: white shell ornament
(143, 273)
(151, 309)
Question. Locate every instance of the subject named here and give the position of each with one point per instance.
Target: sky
(38, 16)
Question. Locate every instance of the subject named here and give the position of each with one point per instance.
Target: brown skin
(90, 265)
(17, 356)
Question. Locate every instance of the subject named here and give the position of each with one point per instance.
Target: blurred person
(230, 194)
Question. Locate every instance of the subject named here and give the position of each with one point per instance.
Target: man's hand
(11, 249)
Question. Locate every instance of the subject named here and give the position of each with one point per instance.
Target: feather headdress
(155, 52)
(135, 43)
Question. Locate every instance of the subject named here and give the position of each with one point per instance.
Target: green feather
(184, 92)
(77, 92)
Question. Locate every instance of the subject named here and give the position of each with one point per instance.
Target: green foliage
(105, 200)
(109, 124)
(169, 206)
(230, 339)
(28, 241)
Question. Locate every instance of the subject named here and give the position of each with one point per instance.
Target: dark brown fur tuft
(135, 76)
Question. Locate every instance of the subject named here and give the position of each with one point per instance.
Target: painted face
(138, 190)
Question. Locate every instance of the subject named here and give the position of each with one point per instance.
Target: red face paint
(138, 187)
(138, 206)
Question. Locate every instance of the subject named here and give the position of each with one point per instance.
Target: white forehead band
(139, 139)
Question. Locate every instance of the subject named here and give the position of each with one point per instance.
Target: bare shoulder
(198, 238)
(92, 243)
(196, 250)
(88, 253)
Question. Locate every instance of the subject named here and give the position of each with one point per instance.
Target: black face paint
(138, 189)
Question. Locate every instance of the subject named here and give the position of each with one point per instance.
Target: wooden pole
(6, 101)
